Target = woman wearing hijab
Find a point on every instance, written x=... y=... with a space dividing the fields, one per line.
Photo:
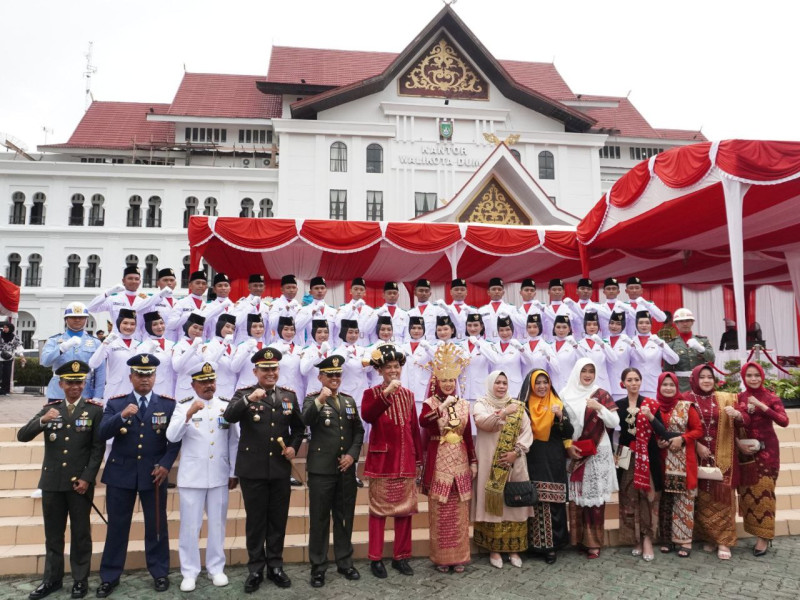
x=547 y=464
x=565 y=350
x=116 y=349
x=451 y=463
x=221 y=351
x=188 y=354
x=254 y=341
x=592 y=479
x=647 y=353
x=9 y=346
x=639 y=466
x=504 y=435
x=679 y=463
x=290 y=375
x=760 y=472
x=156 y=344
x=714 y=508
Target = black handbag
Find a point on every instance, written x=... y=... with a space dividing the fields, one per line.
x=520 y=493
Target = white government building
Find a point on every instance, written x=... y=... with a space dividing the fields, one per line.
x=325 y=134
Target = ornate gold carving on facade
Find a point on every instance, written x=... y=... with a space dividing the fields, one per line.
x=509 y=141
x=443 y=73
x=494 y=205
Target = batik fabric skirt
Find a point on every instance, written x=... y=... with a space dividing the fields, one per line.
x=757 y=507
x=449 y=530
x=638 y=510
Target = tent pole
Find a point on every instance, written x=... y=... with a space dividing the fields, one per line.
x=583 y=251
x=734 y=200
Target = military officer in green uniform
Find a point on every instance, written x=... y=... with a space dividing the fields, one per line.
x=336 y=437
x=271 y=431
x=73 y=451
x=692 y=350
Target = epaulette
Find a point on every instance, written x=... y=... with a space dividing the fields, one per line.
x=52 y=402
x=120 y=396
x=247 y=387
x=284 y=388
x=170 y=398
x=187 y=399
x=705 y=337
x=224 y=399
x=94 y=402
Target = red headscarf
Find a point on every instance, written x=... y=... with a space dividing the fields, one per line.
x=665 y=403
x=694 y=381
x=760 y=393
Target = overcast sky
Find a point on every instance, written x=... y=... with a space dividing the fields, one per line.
x=728 y=67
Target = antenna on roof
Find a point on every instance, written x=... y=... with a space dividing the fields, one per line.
x=46 y=130
x=87 y=76
x=184 y=67
x=628 y=95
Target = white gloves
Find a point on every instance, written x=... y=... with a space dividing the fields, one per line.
x=695 y=345
x=228 y=339
x=516 y=343
x=441 y=303
x=165 y=292
x=358 y=303
x=425 y=344
x=597 y=339
x=110 y=338
x=382 y=311
x=473 y=339
x=568 y=301
x=571 y=340
x=324 y=347
x=115 y=290
x=659 y=342
x=72 y=342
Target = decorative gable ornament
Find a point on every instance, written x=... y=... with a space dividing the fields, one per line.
x=495 y=206
x=443 y=73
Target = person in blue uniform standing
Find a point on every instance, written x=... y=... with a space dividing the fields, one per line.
x=139 y=463
x=75 y=343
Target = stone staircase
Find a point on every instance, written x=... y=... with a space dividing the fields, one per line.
x=22 y=529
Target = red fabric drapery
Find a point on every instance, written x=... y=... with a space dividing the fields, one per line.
x=627 y=189
x=759 y=160
x=683 y=169
x=9 y=297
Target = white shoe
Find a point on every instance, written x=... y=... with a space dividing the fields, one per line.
x=188 y=584
x=516 y=561
x=219 y=580
x=36 y=494
x=496 y=562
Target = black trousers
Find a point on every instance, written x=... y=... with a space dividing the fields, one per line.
x=331 y=495
x=266 y=505
x=5 y=376
x=56 y=506
x=120 y=503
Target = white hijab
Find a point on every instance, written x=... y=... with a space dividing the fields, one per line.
x=574 y=394
x=490 y=398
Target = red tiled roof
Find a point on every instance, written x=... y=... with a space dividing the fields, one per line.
x=688 y=135
x=541 y=77
x=117 y=125
x=217 y=95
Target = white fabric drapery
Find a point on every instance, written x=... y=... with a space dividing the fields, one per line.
x=775 y=312
x=708 y=306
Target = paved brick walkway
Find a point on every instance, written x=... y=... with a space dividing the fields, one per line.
x=19 y=408
x=615 y=575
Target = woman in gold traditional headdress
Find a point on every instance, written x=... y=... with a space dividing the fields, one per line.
x=451 y=463
x=504 y=437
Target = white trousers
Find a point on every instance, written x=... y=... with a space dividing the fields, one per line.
x=193 y=502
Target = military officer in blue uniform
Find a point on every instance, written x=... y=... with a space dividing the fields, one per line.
x=139 y=463
x=336 y=437
x=271 y=431
x=74 y=344
x=73 y=451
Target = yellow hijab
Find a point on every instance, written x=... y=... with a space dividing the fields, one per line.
x=541 y=409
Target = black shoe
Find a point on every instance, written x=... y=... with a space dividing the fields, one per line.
x=294 y=482
x=277 y=576
x=378 y=569
x=359 y=483
x=350 y=573
x=80 y=589
x=45 y=589
x=550 y=558
x=252 y=582
x=171 y=486
x=161 y=584
x=402 y=566
x=106 y=588
x=318 y=579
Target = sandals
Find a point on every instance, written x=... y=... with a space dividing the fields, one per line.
x=458 y=569
x=593 y=553
x=442 y=569
x=667 y=548
x=636 y=552
x=724 y=554
x=684 y=552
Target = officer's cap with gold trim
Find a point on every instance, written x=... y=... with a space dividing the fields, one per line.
x=76 y=309
x=266 y=357
x=143 y=364
x=206 y=373
x=74 y=370
x=331 y=365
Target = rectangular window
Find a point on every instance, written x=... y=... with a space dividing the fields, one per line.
x=338 y=205
x=188 y=135
x=224 y=135
x=241 y=136
x=374 y=206
x=424 y=202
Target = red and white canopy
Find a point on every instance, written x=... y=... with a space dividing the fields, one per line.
x=380 y=251
x=9 y=298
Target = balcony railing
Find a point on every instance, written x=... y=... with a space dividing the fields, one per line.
x=72 y=281
x=37 y=220
x=76 y=221
x=153 y=221
x=134 y=221
x=93 y=282
x=96 y=222
x=33 y=281
x=16 y=220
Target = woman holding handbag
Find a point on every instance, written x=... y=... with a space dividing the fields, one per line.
x=679 y=463
x=504 y=436
x=757 y=492
x=639 y=466
x=591 y=469
x=718 y=470
x=547 y=464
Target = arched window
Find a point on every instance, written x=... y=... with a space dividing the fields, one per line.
x=135 y=211
x=265 y=208
x=37 y=210
x=208 y=270
x=338 y=157
x=150 y=270
x=547 y=169
x=17 y=216
x=97 y=214
x=374 y=158
x=92 y=277
x=73 y=278
x=191 y=210
x=76 y=212
x=131 y=260
x=14 y=272
x=210 y=207
x=185 y=272
x=154 y=212
x=515 y=153
x=34 y=276
x=247 y=208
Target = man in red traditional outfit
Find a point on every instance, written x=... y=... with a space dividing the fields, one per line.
x=394 y=460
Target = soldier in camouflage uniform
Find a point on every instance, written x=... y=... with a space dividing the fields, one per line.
x=692 y=350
